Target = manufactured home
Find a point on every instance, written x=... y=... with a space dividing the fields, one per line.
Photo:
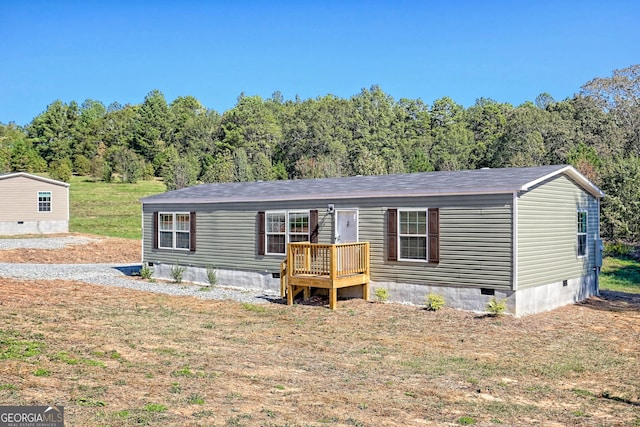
x=31 y=204
x=530 y=235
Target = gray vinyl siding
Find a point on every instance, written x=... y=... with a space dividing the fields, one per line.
x=547 y=232
x=475 y=238
x=475 y=243
x=226 y=235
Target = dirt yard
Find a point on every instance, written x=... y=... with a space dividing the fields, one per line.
x=116 y=357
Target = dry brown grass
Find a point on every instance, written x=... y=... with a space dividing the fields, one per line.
x=122 y=358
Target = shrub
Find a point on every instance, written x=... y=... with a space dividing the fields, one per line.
x=495 y=307
x=434 y=302
x=382 y=294
x=176 y=273
x=146 y=272
x=212 y=276
x=61 y=170
x=618 y=249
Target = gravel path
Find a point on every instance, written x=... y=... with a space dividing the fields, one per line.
x=44 y=243
x=113 y=274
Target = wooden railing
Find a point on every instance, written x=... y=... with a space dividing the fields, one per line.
x=328 y=260
x=325 y=266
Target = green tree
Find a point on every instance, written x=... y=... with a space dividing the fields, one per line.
x=620 y=96
x=152 y=126
x=179 y=171
x=452 y=139
x=621 y=207
x=522 y=143
x=126 y=163
x=52 y=131
x=252 y=127
x=61 y=170
x=219 y=168
x=487 y=119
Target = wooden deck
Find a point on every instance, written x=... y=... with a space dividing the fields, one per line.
x=313 y=265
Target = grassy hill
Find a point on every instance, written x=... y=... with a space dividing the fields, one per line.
x=109 y=209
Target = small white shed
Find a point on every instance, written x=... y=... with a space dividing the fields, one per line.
x=31 y=204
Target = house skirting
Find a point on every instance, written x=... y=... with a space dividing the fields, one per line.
x=553 y=295
x=523 y=302
x=263 y=281
x=11 y=228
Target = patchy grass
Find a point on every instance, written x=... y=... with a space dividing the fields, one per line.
x=620 y=275
x=147 y=359
x=109 y=209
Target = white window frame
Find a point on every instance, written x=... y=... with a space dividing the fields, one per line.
x=44 y=202
x=174 y=231
x=583 y=233
x=287 y=231
x=405 y=235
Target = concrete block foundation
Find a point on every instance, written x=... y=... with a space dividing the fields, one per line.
x=522 y=302
x=14 y=228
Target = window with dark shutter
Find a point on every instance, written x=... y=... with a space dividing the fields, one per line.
x=192 y=231
x=434 y=235
x=261 y=233
x=392 y=234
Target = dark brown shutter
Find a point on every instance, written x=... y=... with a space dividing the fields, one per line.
x=392 y=234
x=434 y=235
x=154 y=230
x=192 y=231
x=313 y=226
x=261 y=233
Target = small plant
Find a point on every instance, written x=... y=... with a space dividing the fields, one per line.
x=146 y=272
x=254 y=308
x=184 y=372
x=434 y=302
x=40 y=372
x=465 y=421
x=382 y=294
x=195 y=399
x=495 y=307
x=176 y=273
x=212 y=275
x=154 y=407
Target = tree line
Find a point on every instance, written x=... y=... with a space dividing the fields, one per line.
x=597 y=130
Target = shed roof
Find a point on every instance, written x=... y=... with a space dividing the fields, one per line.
x=478 y=181
x=31 y=176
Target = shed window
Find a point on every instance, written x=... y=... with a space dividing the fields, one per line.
x=582 y=233
x=44 y=201
x=174 y=230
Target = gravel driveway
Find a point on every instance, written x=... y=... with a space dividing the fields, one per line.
x=112 y=274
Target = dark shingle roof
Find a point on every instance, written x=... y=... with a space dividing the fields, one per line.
x=478 y=181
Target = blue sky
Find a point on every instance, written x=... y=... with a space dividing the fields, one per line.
x=510 y=51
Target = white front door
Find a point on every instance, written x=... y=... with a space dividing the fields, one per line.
x=346 y=226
